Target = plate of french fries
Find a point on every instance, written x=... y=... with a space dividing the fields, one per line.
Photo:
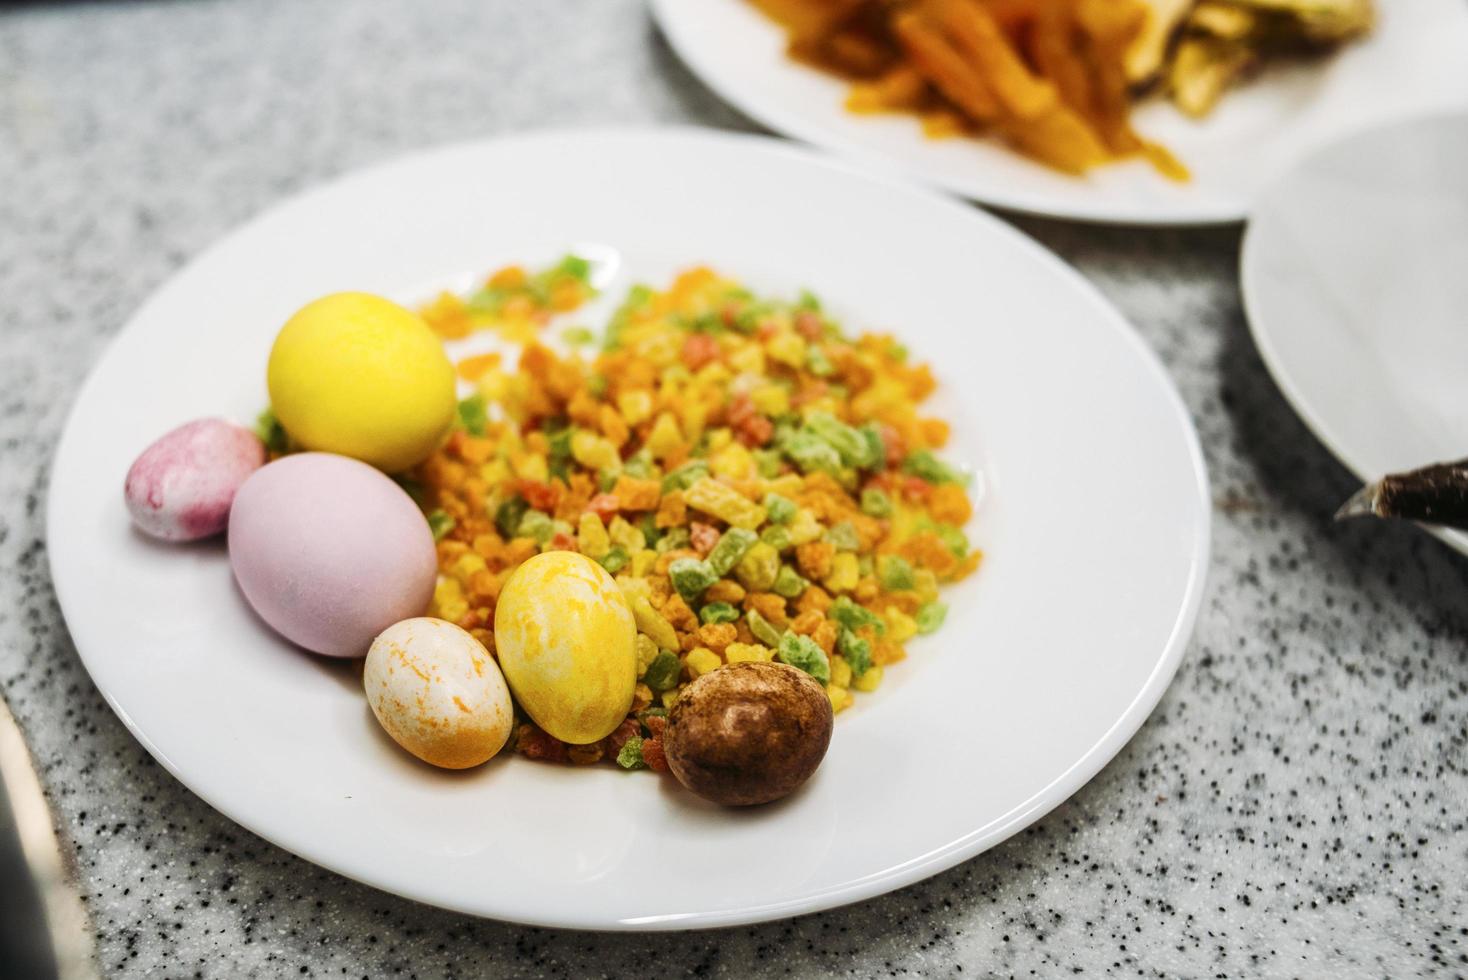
x=1161 y=112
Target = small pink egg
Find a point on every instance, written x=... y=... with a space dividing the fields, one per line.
x=330 y=552
x=181 y=487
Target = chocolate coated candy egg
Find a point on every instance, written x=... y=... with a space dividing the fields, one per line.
x=748 y=733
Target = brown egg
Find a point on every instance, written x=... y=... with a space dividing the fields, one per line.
x=748 y=733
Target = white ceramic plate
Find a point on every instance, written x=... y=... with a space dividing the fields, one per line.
x=1095 y=523
x=1412 y=62
x=1355 y=278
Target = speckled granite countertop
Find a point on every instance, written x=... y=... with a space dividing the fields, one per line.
x=1295 y=807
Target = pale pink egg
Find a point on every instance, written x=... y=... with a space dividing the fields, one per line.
x=330 y=552
x=181 y=487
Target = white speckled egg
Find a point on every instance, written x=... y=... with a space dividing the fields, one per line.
x=330 y=552
x=438 y=693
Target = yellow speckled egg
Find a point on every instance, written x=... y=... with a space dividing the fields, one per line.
x=566 y=642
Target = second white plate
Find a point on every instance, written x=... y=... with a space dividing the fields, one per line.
x=1095 y=525
x=1412 y=62
x=1354 y=280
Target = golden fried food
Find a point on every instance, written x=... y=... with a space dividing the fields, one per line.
x=1055 y=79
x=1222 y=41
x=1148 y=52
x=1202 y=69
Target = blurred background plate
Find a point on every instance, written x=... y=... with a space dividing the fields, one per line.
x=1412 y=62
x=1095 y=524
x=1355 y=278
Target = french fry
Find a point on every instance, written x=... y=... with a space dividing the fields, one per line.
x=942 y=124
x=1035 y=120
x=945 y=68
x=1060 y=138
x=901 y=88
x=1013 y=15
x=1052 y=49
x=977 y=37
x=809 y=18
x=1109 y=27
x=1202 y=69
x=1146 y=55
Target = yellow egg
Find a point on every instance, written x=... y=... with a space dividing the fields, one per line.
x=566 y=642
x=356 y=374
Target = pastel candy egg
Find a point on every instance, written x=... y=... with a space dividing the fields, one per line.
x=357 y=374
x=566 y=641
x=330 y=552
x=182 y=486
x=437 y=692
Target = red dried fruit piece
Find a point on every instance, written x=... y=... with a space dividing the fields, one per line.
x=895 y=445
x=541 y=496
x=741 y=407
x=699 y=349
x=652 y=754
x=808 y=324
x=656 y=725
x=536 y=744
x=755 y=431
x=915 y=488
x=561 y=541
x=605 y=506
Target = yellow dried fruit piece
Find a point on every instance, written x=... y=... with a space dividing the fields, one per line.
x=591 y=536
x=900 y=626
x=749 y=359
x=845 y=572
x=643 y=562
x=633 y=586
x=805 y=528
x=840 y=698
x=733 y=461
x=592 y=451
x=770 y=399
x=647 y=650
x=738 y=653
x=701 y=660
x=530 y=466
x=840 y=672
x=664 y=439
x=651 y=622
x=725 y=503
x=635 y=406
x=626 y=535
x=870 y=680
x=787 y=347
x=758 y=568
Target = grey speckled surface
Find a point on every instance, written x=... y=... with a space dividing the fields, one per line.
x=1294 y=808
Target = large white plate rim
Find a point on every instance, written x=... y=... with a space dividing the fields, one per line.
x=906 y=873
